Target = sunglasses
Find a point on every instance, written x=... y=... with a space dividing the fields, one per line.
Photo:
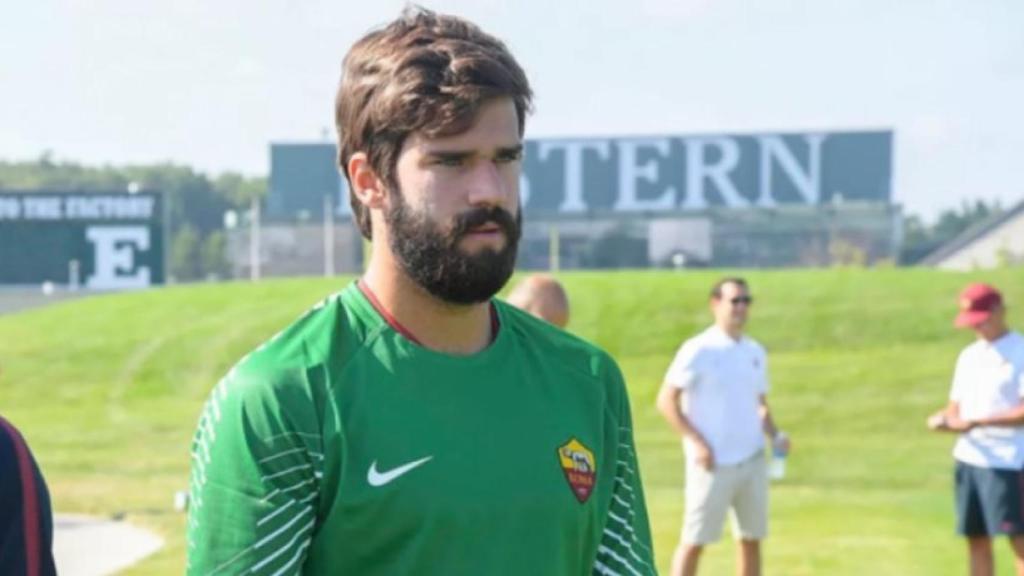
x=748 y=300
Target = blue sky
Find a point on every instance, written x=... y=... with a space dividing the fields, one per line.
x=211 y=83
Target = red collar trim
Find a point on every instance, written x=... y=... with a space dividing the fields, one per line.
x=391 y=320
x=30 y=512
x=397 y=326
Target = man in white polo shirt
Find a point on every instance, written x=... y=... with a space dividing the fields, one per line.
x=714 y=397
x=986 y=407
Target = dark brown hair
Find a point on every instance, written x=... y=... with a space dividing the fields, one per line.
x=424 y=72
x=716 y=290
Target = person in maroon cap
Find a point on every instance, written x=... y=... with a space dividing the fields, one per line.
x=986 y=408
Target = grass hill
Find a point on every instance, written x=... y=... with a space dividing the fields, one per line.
x=108 y=389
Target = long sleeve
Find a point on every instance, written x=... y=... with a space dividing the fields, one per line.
x=625 y=546
x=26 y=520
x=257 y=463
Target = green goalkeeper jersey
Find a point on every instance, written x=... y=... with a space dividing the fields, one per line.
x=341 y=446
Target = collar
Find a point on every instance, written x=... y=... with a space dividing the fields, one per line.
x=398 y=327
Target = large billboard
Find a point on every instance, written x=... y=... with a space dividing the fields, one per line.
x=300 y=176
x=102 y=241
x=650 y=174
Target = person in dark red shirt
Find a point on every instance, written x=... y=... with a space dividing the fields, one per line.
x=26 y=520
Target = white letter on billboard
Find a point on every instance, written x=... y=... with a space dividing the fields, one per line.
x=697 y=171
x=524 y=190
x=114 y=263
x=10 y=208
x=807 y=182
x=573 y=199
x=629 y=172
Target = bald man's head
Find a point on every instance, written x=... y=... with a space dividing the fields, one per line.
x=544 y=297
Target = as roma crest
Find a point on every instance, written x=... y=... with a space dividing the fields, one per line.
x=580 y=468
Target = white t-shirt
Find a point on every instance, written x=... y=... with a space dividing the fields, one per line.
x=989 y=378
x=722 y=381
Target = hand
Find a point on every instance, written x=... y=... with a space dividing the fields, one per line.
x=943 y=422
x=937 y=421
x=704 y=457
x=956 y=424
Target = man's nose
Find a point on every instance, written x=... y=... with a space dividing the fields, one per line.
x=486 y=186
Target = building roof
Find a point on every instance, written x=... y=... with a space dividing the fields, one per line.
x=973 y=234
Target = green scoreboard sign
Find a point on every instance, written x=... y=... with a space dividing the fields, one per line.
x=104 y=241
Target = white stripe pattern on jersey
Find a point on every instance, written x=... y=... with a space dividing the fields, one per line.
x=620 y=551
x=283 y=539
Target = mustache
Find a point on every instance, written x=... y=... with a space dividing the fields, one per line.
x=480 y=216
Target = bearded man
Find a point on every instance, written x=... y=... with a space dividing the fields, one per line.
x=413 y=424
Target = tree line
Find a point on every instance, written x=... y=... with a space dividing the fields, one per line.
x=921 y=238
x=196 y=204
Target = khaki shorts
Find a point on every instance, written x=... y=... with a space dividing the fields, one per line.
x=741 y=489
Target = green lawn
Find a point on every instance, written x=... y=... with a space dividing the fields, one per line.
x=108 y=390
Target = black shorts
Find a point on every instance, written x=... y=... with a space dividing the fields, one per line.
x=989 y=501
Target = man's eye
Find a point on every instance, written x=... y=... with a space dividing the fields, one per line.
x=509 y=157
x=451 y=162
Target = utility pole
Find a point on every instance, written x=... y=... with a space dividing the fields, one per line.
x=554 y=251
x=328 y=236
x=254 y=240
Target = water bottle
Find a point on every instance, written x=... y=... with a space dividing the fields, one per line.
x=778 y=467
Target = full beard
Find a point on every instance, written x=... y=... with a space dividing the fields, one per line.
x=433 y=260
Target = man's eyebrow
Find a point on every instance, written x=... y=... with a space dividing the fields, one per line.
x=463 y=154
x=449 y=154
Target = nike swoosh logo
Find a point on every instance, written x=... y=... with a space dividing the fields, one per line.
x=377 y=479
